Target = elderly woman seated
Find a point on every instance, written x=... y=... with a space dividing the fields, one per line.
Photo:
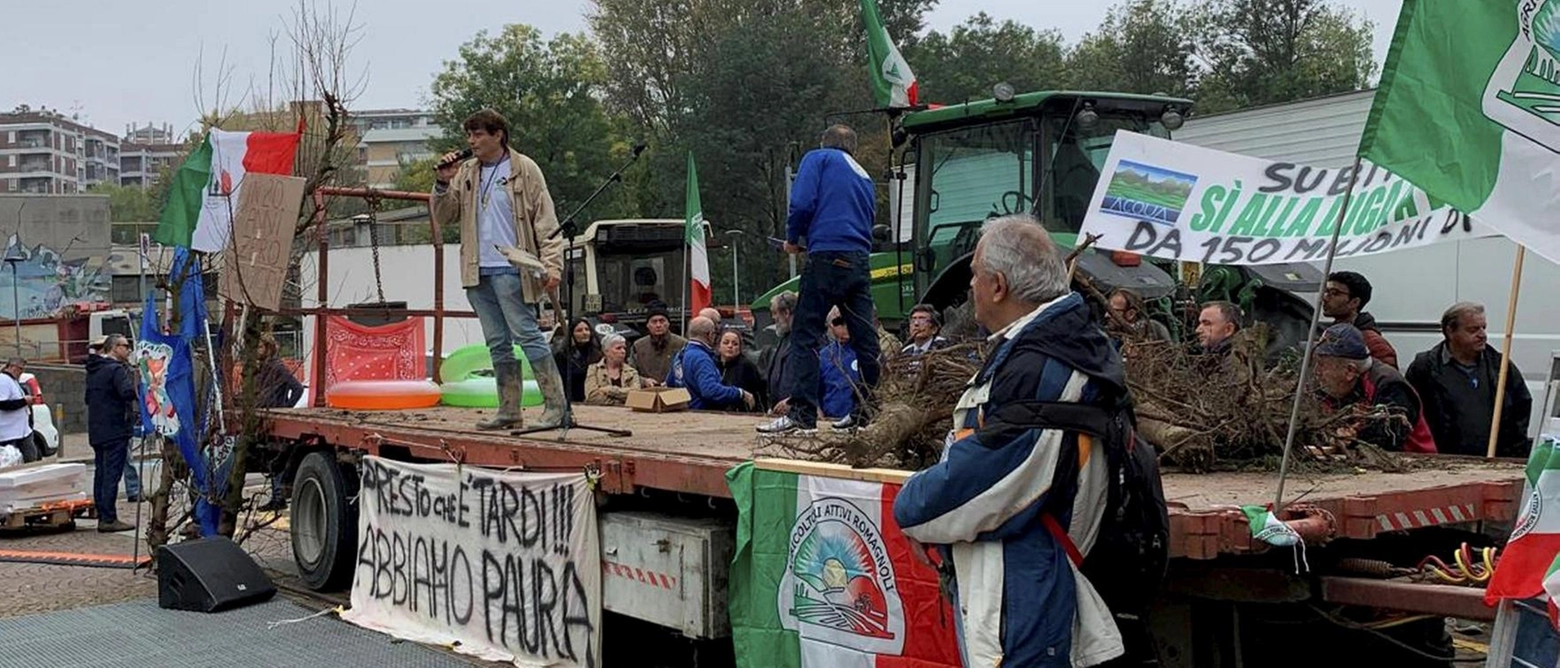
x=608 y=382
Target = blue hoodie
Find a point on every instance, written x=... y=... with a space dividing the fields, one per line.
x=694 y=368
x=833 y=203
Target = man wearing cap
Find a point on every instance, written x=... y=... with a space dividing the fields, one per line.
x=110 y=407
x=653 y=352
x=1348 y=376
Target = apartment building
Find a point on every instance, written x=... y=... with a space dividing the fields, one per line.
x=390 y=139
x=45 y=152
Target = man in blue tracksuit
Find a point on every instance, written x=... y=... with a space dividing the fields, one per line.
x=694 y=368
x=833 y=203
x=1015 y=507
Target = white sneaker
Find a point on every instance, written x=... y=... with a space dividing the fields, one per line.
x=845 y=423
x=784 y=425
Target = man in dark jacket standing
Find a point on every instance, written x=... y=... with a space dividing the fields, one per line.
x=776 y=359
x=1344 y=299
x=110 y=416
x=1456 y=380
x=832 y=207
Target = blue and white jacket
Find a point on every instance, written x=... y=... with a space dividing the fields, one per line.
x=694 y=368
x=1021 y=602
x=838 y=374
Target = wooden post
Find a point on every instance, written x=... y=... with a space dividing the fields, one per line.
x=1505 y=353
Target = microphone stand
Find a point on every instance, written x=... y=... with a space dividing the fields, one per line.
x=569 y=227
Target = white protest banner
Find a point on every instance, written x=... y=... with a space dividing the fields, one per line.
x=505 y=566
x=1176 y=201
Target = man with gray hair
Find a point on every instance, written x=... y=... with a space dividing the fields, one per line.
x=1016 y=503
x=776 y=358
x=1348 y=377
x=833 y=204
x=1457 y=380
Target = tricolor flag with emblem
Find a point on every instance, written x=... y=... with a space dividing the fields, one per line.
x=893 y=84
x=824 y=578
x=1468 y=110
x=698 y=257
x=204 y=196
x=1530 y=565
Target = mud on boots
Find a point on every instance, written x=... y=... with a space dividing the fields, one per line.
x=509 y=393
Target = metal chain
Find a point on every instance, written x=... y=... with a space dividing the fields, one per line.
x=373 y=240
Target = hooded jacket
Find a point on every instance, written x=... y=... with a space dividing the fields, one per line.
x=1379 y=347
x=1020 y=599
x=111 y=409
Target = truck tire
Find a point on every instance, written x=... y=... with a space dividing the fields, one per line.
x=323 y=522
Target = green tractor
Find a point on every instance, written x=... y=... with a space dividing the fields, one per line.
x=1038 y=153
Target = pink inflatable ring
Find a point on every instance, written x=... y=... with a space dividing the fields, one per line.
x=382 y=395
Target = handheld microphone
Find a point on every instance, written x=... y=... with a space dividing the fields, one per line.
x=462 y=155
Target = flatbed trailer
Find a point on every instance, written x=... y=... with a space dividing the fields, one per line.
x=688 y=453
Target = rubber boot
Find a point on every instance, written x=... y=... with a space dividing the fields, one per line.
x=509 y=393
x=551 y=384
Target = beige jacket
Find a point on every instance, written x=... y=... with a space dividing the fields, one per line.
x=535 y=220
x=599 y=390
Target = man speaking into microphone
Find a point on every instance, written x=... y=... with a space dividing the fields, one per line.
x=500 y=200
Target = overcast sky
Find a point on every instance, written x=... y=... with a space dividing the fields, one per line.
x=118 y=62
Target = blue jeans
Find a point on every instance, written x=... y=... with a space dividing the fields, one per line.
x=506 y=319
x=108 y=462
x=132 y=475
x=831 y=279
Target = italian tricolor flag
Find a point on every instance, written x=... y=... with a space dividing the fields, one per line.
x=824 y=578
x=1530 y=564
x=698 y=256
x=205 y=191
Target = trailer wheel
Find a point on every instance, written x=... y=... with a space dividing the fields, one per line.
x=324 y=522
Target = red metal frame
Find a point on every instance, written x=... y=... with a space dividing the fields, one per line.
x=323 y=238
x=1435 y=599
x=1207 y=534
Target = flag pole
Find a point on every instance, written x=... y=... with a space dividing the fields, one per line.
x=1505 y=353
x=1316 y=316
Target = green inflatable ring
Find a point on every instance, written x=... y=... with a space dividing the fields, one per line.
x=482 y=392
x=466 y=361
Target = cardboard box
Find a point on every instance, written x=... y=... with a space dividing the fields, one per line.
x=659 y=399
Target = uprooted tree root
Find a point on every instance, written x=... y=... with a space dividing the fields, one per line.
x=1203 y=411
x=915 y=399
x=1232 y=410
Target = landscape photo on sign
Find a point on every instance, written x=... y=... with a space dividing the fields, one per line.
x=1146 y=192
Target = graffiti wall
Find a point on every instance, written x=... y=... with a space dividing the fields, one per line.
x=60 y=247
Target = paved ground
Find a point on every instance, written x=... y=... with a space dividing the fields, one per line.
x=37 y=588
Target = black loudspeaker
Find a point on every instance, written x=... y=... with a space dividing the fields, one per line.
x=209 y=575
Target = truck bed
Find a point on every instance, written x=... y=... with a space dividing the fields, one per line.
x=689 y=452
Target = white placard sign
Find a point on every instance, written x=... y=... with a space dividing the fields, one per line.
x=1176 y=201
x=504 y=566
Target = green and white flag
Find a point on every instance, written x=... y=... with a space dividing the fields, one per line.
x=893 y=84
x=1469 y=110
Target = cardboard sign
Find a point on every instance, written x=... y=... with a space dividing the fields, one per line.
x=256 y=266
x=659 y=399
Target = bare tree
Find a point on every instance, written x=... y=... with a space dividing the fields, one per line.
x=309 y=86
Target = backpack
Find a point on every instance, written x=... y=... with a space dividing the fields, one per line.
x=1132 y=550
